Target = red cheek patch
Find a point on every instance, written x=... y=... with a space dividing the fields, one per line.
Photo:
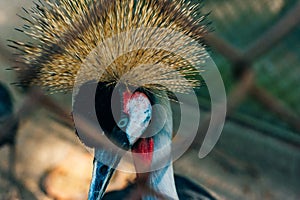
x=138 y=97
x=126 y=98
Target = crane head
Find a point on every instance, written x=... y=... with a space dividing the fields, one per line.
x=124 y=115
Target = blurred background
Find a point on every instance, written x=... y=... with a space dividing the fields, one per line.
x=256 y=46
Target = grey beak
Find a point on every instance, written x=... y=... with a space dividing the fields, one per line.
x=102 y=173
x=100 y=179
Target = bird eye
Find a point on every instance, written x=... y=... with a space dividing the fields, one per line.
x=123 y=122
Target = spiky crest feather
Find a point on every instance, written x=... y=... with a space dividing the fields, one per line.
x=71 y=35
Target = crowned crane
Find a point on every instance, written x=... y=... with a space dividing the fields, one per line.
x=120 y=57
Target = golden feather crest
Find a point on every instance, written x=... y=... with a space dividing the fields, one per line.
x=150 y=43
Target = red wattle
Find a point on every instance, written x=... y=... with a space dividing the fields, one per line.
x=143 y=153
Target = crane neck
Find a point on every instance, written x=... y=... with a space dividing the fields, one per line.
x=162 y=180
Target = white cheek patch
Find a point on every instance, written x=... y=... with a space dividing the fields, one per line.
x=140 y=112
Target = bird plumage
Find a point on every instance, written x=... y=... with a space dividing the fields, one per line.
x=7 y=135
x=6 y=104
x=186 y=189
x=9 y=125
